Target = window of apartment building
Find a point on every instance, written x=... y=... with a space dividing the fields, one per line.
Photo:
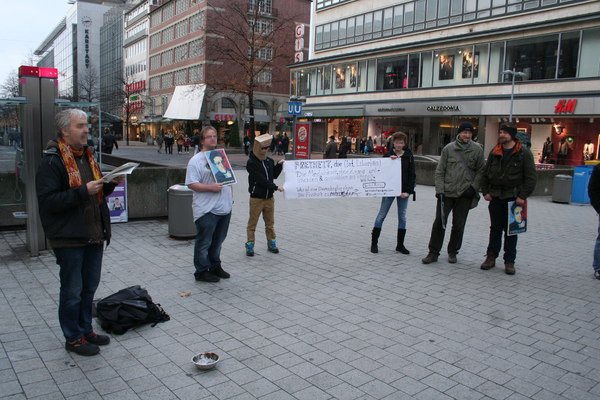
x=181 y=29
x=264 y=53
x=167 y=35
x=181 y=6
x=156 y=18
x=166 y=58
x=196 y=48
x=167 y=11
x=181 y=52
x=195 y=74
x=166 y=81
x=327 y=3
x=155 y=40
x=262 y=26
x=155 y=61
x=264 y=6
x=264 y=77
x=155 y=83
x=197 y=22
x=181 y=77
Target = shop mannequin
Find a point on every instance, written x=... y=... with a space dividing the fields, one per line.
x=588 y=150
x=547 y=151
x=563 y=150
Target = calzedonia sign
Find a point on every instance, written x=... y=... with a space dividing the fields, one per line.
x=443 y=108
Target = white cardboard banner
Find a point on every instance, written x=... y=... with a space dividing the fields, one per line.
x=345 y=177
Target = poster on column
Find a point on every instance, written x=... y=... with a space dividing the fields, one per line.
x=302 y=140
x=117 y=203
x=327 y=179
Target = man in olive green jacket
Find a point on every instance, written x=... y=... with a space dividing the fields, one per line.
x=457 y=178
x=509 y=175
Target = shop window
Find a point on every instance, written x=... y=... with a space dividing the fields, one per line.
x=569 y=51
x=392 y=73
x=414 y=70
x=346 y=77
x=323 y=83
x=536 y=57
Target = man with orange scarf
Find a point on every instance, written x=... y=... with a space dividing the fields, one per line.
x=509 y=175
x=76 y=220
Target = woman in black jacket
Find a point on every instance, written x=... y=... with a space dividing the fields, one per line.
x=399 y=150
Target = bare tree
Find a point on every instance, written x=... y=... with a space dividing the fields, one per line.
x=129 y=97
x=257 y=46
x=88 y=85
x=9 y=114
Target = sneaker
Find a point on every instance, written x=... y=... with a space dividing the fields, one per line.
x=430 y=258
x=273 y=246
x=249 y=249
x=220 y=272
x=597 y=274
x=452 y=258
x=98 y=340
x=82 y=347
x=206 y=276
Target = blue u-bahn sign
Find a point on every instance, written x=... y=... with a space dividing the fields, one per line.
x=294 y=108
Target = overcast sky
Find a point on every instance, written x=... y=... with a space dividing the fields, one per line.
x=24 y=24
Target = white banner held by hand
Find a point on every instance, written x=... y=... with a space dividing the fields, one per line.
x=323 y=179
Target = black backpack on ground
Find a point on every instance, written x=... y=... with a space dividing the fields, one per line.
x=128 y=308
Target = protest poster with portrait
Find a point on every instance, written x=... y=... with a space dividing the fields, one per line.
x=517 y=218
x=220 y=167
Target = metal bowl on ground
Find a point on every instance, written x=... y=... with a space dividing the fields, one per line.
x=205 y=360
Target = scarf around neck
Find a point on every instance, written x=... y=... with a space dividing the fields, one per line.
x=68 y=154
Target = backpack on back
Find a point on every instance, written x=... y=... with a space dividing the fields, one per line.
x=128 y=308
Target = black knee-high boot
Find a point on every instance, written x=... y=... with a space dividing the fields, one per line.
x=374 y=238
x=400 y=246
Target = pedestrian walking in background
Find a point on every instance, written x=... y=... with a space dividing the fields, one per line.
x=406 y=163
x=108 y=142
x=169 y=141
x=594 y=193
x=186 y=144
x=159 y=141
x=262 y=170
x=331 y=148
x=246 y=145
x=457 y=180
x=344 y=148
x=509 y=175
x=180 y=143
x=286 y=143
x=212 y=203
x=71 y=196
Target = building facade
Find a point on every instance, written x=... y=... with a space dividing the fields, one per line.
x=73 y=48
x=425 y=66
x=194 y=42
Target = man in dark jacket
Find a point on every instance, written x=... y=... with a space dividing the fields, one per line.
x=509 y=175
x=594 y=193
x=75 y=217
x=457 y=178
x=261 y=172
x=108 y=142
x=331 y=148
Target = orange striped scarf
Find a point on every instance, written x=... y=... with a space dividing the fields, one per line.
x=68 y=154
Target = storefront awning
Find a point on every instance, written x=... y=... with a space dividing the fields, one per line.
x=186 y=102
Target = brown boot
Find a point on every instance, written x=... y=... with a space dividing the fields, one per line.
x=509 y=269
x=430 y=258
x=489 y=263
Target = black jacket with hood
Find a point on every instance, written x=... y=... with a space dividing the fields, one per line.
x=261 y=175
x=62 y=208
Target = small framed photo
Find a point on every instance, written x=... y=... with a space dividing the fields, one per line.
x=220 y=167
x=517 y=218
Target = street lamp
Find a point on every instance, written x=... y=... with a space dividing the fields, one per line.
x=514 y=74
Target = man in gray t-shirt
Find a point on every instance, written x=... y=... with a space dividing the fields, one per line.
x=211 y=204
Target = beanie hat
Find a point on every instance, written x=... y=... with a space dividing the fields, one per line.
x=512 y=131
x=465 y=126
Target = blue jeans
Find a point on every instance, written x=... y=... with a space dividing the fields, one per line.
x=596 y=263
x=211 y=231
x=386 y=203
x=80 y=269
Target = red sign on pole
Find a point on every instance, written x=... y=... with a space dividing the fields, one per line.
x=302 y=140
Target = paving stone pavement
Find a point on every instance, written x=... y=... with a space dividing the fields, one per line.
x=325 y=318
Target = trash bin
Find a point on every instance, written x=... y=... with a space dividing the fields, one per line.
x=581 y=179
x=561 y=190
x=181 y=218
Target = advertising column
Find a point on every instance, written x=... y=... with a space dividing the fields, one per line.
x=302 y=134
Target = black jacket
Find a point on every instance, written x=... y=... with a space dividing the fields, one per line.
x=261 y=175
x=594 y=188
x=409 y=176
x=61 y=207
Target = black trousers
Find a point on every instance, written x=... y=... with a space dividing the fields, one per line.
x=460 y=210
x=498 y=209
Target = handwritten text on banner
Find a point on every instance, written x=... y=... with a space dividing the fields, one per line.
x=321 y=179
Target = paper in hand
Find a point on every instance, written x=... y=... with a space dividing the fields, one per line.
x=124 y=169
